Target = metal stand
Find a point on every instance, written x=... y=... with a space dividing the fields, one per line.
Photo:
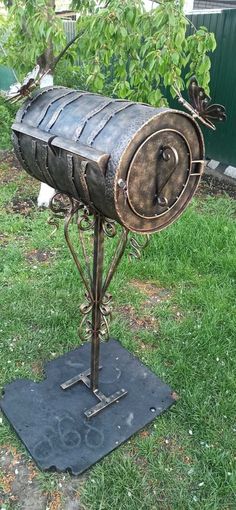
x=98 y=301
x=97 y=293
x=67 y=439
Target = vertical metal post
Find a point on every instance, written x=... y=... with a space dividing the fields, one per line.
x=98 y=258
x=95 y=302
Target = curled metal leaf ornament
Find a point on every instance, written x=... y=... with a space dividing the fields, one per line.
x=137 y=246
x=109 y=227
x=106 y=313
x=85 y=220
x=85 y=328
x=62 y=204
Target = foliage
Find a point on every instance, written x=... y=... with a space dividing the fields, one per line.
x=32 y=27
x=131 y=53
x=123 y=50
x=69 y=75
x=7 y=114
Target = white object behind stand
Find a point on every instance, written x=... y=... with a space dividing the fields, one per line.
x=46 y=192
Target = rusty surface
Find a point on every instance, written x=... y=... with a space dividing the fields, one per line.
x=114 y=160
x=134 y=163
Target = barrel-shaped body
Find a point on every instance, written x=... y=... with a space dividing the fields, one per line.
x=134 y=163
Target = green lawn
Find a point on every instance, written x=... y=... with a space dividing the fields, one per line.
x=182 y=324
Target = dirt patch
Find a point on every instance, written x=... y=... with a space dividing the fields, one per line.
x=9 y=158
x=154 y=293
x=178 y=315
x=175 y=396
x=55 y=501
x=215 y=187
x=12 y=171
x=24 y=487
x=172 y=444
x=3 y=240
x=137 y=322
x=38 y=368
x=17 y=481
x=39 y=255
x=10 y=167
x=23 y=206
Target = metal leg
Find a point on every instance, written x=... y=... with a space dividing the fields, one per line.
x=98 y=257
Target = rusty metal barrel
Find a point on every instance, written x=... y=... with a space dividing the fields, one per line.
x=134 y=163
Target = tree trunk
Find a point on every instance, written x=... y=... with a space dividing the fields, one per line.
x=46 y=62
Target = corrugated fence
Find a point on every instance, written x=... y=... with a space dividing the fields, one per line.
x=70 y=29
x=221 y=145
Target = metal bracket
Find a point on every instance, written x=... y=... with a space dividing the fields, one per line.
x=104 y=400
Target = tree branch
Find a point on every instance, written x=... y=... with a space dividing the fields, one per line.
x=59 y=57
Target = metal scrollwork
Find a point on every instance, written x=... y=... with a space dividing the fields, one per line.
x=61 y=205
x=137 y=246
x=106 y=312
x=85 y=328
x=85 y=220
x=76 y=213
x=109 y=227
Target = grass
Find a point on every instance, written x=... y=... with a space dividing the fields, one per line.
x=186 y=459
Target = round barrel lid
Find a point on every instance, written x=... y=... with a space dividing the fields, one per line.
x=158 y=173
x=162 y=176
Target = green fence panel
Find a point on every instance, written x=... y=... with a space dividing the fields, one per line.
x=7 y=77
x=70 y=29
x=221 y=145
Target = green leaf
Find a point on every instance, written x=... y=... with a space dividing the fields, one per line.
x=160 y=21
x=123 y=32
x=205 y=65
x=200 y=47
x=180 y=38
x=98 y=82
x=175 y=57
x=212 y=42
x=172 y=19
x=131 y=16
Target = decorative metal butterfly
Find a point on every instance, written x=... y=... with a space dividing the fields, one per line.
x=200 y=106
x=31 y=81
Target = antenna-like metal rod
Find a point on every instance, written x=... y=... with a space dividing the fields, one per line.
x=98 y=258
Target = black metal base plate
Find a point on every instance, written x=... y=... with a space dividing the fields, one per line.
x=51 y=422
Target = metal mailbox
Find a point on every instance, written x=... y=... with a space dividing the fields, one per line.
x=117 y=161
x=134 y=163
